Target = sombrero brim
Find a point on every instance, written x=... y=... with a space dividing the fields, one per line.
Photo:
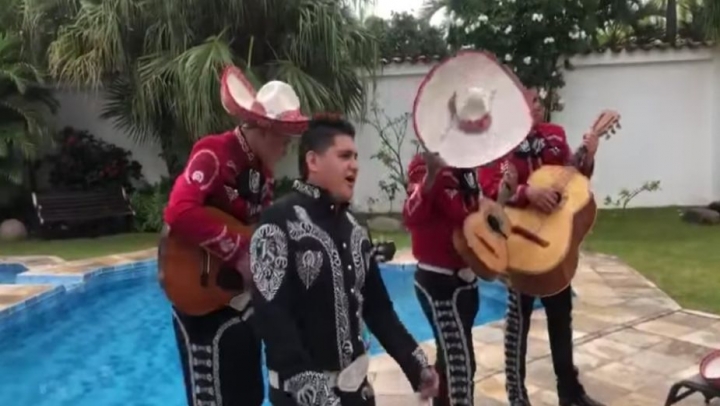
x=510 y=111
x=238 y=96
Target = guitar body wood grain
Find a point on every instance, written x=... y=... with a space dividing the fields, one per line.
x=485 y=234
x=181 y=266
x=544 y=248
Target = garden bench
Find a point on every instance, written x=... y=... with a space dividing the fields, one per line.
x=692 y=385
x=83 y=212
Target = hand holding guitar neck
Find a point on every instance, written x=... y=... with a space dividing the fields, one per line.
x=433 y=164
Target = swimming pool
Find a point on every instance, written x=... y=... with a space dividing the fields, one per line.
x=111 y=344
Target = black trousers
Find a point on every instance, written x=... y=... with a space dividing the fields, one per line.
x=221 y=359
x=559 y=323
x=451 y=304
x=363 y=397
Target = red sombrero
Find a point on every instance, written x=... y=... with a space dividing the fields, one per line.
x=275 y=106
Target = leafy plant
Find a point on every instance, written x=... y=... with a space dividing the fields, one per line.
x=85 y=162
x=626 y=195
x=149 y=203
x=392 y=133
x=403 y=35
x=24 y=107
x=160 y=60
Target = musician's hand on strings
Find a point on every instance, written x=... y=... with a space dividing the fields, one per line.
x=433 y=165
x=590 y=142
x=243 y=266
x=429 y=383
x=543 y=199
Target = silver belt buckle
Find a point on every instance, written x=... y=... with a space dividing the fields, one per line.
x=351 y=378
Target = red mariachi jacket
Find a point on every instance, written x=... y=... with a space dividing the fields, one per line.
x=224 y=173
x=545 y=145
x=432 y=216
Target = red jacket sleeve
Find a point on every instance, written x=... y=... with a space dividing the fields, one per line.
x=444 y=195
x=185 y=213
x=491 y=176
x=557 y=151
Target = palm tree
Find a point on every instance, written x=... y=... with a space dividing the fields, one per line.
x=24 y=106
x=159 y=60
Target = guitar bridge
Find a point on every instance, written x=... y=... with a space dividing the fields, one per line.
x=530 y=236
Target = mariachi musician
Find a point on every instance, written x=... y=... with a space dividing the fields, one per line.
x=546 y=144
x=231 y=171
x=455 y=115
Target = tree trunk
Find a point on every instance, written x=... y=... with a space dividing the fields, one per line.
x=671 y=21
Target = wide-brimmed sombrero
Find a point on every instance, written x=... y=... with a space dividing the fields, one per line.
x=275 y=106
x=471 y=110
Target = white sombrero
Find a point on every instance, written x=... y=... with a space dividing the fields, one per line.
x=275 y=106
x=471 y=110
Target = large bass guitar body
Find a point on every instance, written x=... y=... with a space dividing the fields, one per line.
x=194 y=281
x=544 y=249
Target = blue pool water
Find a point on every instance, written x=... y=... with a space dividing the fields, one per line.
x=112 y=345
x=8 y=272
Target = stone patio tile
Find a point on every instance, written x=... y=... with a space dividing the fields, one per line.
x=663 y=364
x=624 y=375
x=689 y=320
x=707 y=337
x=391 y=383
x=665 y=328
x=590 y=323
x=635 y=399
x=397 y=400
x=702 y=314
x=683 y=349
x=481 y=400
x=657 y=391
x=586 y=361
x=606 y=349
x=488 y=357
x=492 y=388
x=488 y=335
x=544 y=398
x=602 y=391
x=636 y=338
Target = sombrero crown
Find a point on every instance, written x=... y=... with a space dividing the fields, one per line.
x=275 y=106
x=471 y=110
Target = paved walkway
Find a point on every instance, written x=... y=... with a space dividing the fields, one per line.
x=631 y=340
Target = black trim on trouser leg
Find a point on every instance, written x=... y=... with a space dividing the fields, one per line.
x=558 y=309
x=451 y=304
x=517 y=327
x=221 y=359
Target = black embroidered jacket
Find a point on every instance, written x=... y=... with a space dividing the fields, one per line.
x=316 y=285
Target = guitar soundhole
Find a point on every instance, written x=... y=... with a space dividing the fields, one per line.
x=230 y=279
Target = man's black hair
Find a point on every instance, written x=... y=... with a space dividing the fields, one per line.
x=320 y=136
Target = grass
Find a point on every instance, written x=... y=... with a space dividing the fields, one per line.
x=83 y=247
x=682 y=259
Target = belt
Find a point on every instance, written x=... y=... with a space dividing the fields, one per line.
x=348 y=380
x=465 y=274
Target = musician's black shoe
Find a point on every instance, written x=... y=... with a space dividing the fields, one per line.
x=583 y=400
x=520 y=403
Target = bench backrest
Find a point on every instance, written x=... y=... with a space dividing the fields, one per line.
x=81 y=205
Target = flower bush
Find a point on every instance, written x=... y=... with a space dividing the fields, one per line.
x=85 y=162
x=533 y=37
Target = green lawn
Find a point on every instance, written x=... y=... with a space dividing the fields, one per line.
x=83 y=247
x=682 y=259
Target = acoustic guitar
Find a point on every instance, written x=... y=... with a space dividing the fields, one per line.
x=195 y=281
x=544 y=249
x=482 y=241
